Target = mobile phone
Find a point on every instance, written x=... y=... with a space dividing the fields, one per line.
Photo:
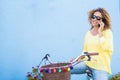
x=98 y=25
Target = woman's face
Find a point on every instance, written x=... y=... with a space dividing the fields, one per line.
x=96 y=18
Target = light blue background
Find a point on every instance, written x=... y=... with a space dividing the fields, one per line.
x=29 y=29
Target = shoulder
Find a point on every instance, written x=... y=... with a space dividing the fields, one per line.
x=107 y=31
x=87 y=34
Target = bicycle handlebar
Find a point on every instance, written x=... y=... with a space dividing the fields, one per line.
x=85 y=54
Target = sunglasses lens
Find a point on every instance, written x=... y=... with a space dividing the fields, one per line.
x=96 y=17
x=93 y=17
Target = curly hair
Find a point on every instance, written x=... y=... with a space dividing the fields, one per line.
x=105 y=17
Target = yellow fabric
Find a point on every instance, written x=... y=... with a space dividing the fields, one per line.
x=104 y=48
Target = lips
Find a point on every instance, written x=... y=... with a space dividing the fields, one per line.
x=94 y=23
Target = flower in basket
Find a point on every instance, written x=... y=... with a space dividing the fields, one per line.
x=34 y=75
x=35 y=70
x=30 y=77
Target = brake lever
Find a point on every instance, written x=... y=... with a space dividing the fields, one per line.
x=88 y=55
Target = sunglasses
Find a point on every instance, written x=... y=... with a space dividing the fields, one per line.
x=96 y=17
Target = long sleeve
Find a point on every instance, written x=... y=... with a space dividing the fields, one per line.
x=107 y=41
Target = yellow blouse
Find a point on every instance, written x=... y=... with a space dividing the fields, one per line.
x=104 y=48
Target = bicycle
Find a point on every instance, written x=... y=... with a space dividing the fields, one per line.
x=57 y=70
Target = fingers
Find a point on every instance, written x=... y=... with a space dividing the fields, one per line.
x=101 y=24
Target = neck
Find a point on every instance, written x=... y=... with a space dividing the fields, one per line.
x=94 y=31
x=95 y=28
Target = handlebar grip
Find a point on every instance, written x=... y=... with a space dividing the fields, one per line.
x=93 y=54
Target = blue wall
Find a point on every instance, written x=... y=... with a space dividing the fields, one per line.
x=31 y=28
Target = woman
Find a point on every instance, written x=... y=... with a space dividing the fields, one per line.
x=98 y=39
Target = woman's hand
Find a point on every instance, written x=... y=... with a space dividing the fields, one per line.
x=101 y=29
x=81 y=58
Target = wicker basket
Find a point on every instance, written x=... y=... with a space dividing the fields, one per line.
x=63 y=75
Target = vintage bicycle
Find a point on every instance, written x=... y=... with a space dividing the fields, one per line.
x=58 y=71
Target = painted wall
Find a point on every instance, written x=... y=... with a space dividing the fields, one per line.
x=29 y=29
